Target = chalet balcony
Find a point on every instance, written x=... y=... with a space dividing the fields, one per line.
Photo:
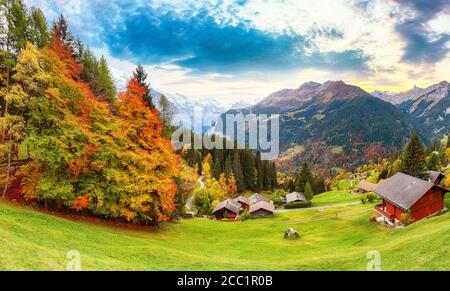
x=381 y=209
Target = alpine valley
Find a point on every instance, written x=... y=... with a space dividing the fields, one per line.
x=337 y=125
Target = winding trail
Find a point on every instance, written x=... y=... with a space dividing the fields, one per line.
x=190 y=201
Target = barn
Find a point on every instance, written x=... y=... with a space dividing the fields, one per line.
x=244 y=202
x=296 y=197
x=435 y=177
x=403 y=194
x=262 y=209
x=364 y=187
x=229 y=207
x=256 y=198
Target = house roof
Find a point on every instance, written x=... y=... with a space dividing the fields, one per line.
x=433 y=176
x=229 y=205
x=404 y=190
x=262 y=205
x=296 y=196
x=242 y=200
x=366 y=186
x=256 y=198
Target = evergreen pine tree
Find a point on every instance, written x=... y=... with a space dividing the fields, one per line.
x=60 y=28
x=107 y=89
x=17 y=23
x=237 y=172
x=303 y=178
x=413 y=158
x=228 y=169
x=433 y=162
x=248 y=169
x=38 y=27
x=309 y=193
x=319 y=185
x=267 y=181
x=216 y=169
x=141 y=76
x=259 y=172
x=273 y=176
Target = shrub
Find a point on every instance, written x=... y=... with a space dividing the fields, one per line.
x=407 y=218
x=245 y=215
x=364 y=199
x=371 y=197
x=298 y=205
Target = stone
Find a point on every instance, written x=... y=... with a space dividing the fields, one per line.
x=291 y=234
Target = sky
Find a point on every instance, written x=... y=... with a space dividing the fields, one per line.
x=243 y=50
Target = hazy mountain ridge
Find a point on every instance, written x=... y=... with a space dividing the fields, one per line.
x=338 y=125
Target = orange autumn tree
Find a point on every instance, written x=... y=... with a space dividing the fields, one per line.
x=148 y=157
x=87 y=158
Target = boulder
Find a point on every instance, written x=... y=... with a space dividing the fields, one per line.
x=291 y=234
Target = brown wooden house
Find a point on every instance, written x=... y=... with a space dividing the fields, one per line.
x=364 y=187
x=229 y=207
x=403 y=194
x=256 y=198
x=435 y=177
x=262 y=209
x=244 y=202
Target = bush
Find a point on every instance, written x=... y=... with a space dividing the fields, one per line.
x=245 y=215
x=364 y=199
x=407 y=219
x=298 y=205
x=371 y=197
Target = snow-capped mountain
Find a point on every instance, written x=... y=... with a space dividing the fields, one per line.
x=399 y=98
x=188 y=111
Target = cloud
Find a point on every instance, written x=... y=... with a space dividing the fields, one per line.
x=422 y=44
x=196 y=39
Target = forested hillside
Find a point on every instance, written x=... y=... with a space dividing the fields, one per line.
x=82 y=147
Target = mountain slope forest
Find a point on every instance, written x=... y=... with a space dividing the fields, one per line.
x=81 y=146
x=334 y=125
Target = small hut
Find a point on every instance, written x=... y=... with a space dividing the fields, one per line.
x=296 y=197
x=365 y=187
x=256 y=198
x=262 y=209
x=244 y=202
x=229 y=207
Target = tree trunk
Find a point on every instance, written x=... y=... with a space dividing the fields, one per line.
x=8 y=171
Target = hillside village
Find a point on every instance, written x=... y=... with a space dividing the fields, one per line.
x=85 y=167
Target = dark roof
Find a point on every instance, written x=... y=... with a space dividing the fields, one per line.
x=242 y=200
x=296 y=196
x=229 y=205
x=404 y=190
x=366 y=186
x=433 y=176
x=262 y=205
x=256 y=198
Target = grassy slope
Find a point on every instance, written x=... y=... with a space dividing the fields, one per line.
x=334 y=197
x=30 y=240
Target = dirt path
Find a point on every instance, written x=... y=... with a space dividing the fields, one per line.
x=190 y=201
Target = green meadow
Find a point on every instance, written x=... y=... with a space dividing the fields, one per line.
x=332 y=239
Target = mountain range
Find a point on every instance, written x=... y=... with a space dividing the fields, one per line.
x=339 y=125
x=184 y=107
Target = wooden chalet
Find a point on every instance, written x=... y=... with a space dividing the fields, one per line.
x=244 y=202
x=435 y=177
x=230 y=207
x=256 y=198
x=296 y=197
x=366 y=187
x=262 y=209
x=403 y=194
